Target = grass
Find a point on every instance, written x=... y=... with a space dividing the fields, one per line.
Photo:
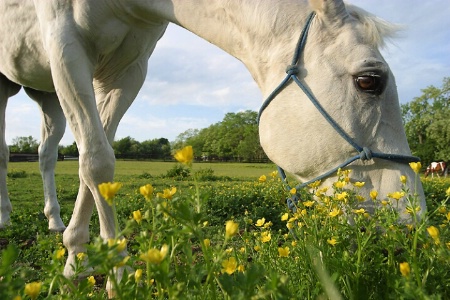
x=321 y=256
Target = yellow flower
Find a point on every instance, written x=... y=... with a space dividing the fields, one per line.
x=373 y=194
x=447 y=192
x=168 y=194
x=185 y=155
x=340 y=184
x=294 y=243
x=17 y=297
x=332 y=241
x=335 y=212
x=262 y=178
x=283 y=252
x=442 y=209
x=207 y=242
x=33 y=289
x=285 y=217
x=416 y=166
x=360 y=211
x=396 y=195
x=359 y=184
x=384 y=202
x=257 y=248
x=260 y=222
x=121 y=245
x=274 y=174
x=289 y=225
x=229 y=250
x=138 y=275
x=147 y=191
x=434 y=233
x=268 y=224
x=154 y=255
x=293 y=191
x=342 y=196
x=265 y=237
x=229 y=265
x=315 y=184
x=108 y=190
x=60 y=253
x=411 y=210
x=91 y=280
x=405 y=269
x=137 y=216
x=81 y=256
x=403 y=179
x=308 y=203
x=360 y=198
x=231 y=228
x=241 y=268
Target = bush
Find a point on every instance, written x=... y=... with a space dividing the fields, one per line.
x=178 y=172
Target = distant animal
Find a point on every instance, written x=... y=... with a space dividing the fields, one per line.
x=94 y=55
x=53 y=125
x=439 y=168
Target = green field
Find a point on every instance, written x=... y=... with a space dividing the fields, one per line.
x=261 y=260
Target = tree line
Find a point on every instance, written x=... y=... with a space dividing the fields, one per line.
x=236 y=137
x=427 y=123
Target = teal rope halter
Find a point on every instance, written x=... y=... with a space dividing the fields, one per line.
x=364 y=153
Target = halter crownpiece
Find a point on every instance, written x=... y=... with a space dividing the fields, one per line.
x=364 y=153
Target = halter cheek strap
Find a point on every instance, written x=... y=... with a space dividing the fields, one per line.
x=364 y=153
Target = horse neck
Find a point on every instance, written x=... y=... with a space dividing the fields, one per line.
x=261 y=34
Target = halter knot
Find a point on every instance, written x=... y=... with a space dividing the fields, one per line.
x=365 y=154
x=292 y=70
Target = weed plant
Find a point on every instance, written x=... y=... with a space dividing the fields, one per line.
x=228 y=241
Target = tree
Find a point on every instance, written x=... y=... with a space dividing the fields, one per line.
x=426 y=120
x=24 y=144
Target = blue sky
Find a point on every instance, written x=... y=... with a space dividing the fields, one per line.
x=193 y=84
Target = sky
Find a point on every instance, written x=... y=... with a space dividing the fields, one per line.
x=192 y=84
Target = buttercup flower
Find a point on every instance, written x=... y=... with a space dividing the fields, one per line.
x=33 y=289
x=257 y=248
x=315 y=184
x=416 y=166
x=293 y=191
x=108 y=190
x=265 y=237
x=447 y=192
x=335 y=212
x=262 y=178
x=308 y=203
x=60 y=253
x=185 y=155
x=434 y=233
x=138 y=275
x=405 y=269
x=91 y=280
x=359 y=184
x=81 y=256
x=403 y=179
x=231 y=228
x=154 y=255
x=396 y=195
x=168 y=194
x=207 y=242
x=283 y=252
x=274 y=174
x=137 y=216
x=241 y=268
x=260 y=222
x=332 y=241
x=340 y=184
x=285 y=217
x=360 y=211
x=373 y=194
x=147 y=191
x=229 y=265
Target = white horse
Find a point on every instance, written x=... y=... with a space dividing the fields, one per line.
x=94 y=55
x=52 y=130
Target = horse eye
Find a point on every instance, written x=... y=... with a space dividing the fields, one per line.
x=369 y=83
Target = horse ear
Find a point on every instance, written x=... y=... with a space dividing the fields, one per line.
x=330 y=11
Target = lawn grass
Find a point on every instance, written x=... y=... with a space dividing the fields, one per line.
x=154 y=168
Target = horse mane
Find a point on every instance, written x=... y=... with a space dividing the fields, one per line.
x=377 y=29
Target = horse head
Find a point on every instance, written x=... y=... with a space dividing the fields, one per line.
x=342 y=69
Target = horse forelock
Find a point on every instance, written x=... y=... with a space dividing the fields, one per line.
x=377 y=30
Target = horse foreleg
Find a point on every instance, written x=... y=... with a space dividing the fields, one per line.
x=7 y=89
x=53 y=124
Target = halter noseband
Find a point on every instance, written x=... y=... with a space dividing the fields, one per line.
x=364 y=153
